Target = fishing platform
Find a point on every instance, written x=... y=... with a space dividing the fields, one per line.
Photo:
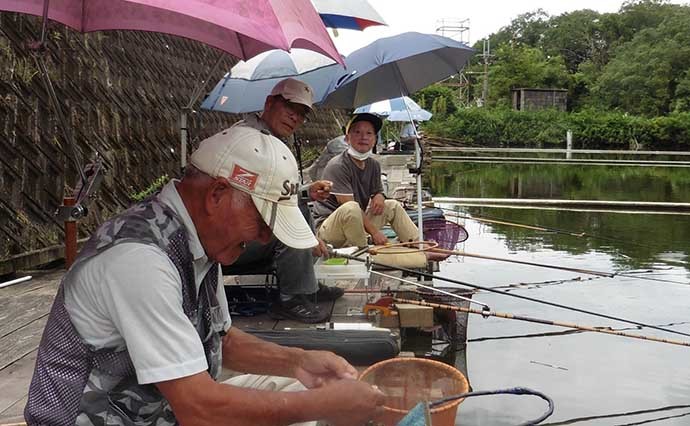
x=364 y=326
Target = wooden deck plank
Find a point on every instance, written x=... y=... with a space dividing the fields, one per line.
x=19 y=343
x=19 y=311
x=15 y=381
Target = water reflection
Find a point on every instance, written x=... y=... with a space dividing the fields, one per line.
x=620 y=183
x=594 y=379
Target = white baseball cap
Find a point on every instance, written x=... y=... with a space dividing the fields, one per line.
x=261 y=165
x=295 y=91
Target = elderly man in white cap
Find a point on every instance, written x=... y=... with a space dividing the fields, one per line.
x=140 y=326
x=285 y=110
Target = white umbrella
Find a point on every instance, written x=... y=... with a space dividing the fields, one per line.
x=245 y=87
x=397 y=109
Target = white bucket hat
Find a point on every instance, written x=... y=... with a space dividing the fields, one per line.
x=261 y=165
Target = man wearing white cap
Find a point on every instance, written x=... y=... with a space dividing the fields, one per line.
x=140 y=326
x=285 y=110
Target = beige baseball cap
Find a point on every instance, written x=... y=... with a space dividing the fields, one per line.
x=295 y=91
x=261 y=165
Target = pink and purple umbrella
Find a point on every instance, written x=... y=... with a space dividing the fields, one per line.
x=243 y=28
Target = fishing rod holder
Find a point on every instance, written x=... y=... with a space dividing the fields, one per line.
x=71 y=213
x=83 y=192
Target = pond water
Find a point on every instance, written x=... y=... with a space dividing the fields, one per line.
x=593 y=378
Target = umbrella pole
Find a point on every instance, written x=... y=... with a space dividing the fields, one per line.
x=196 y=94
x=418 y=162
x=418 y=170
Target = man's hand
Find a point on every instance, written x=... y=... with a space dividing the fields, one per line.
x=379 y=239
x=320 y=190
x=357 y=403
x=321 y=250
x=376 y=204
x=318 y=368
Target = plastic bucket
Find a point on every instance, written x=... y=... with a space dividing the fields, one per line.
x=407 y=381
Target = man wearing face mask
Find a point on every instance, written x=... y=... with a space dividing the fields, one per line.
x=357 y=207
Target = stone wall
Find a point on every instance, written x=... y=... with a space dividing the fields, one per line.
x=122 y=93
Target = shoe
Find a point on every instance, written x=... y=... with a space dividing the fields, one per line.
x=299 y=308
x=328 y=294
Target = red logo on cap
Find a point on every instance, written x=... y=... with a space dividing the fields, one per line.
x=244 y=177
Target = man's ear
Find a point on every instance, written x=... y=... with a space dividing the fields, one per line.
x=215 y=195
x=268 y=103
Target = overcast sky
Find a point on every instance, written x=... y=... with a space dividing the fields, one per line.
x=485 y=16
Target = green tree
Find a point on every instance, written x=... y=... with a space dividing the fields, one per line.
x=577 y=37
x=524 y=67
x=429 y=95
x=648 y=75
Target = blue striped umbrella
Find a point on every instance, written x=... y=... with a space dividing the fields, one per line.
x=347 y=14
x=396 y=109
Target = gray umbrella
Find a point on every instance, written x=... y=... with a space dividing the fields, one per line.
x=396 y=66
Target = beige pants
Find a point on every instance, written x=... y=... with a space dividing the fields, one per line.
x=269 y=383
x=345 y=226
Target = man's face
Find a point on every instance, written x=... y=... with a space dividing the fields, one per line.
x=361 y=136
x=235 y=222
x=282 y=116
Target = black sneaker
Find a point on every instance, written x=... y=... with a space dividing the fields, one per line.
x=299 y=308
x=328 y=294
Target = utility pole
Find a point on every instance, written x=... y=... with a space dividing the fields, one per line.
x=457 y=29
x=485 y=56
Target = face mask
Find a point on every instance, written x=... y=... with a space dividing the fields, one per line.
x=358 y=155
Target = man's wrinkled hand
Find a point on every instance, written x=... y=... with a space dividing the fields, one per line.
x=321 y=250
x=318 y=368
x=379 y=238
x=320 y=190
x=357 y=403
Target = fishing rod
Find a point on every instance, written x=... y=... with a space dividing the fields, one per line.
x=541 y=321
x=544 y=265
x=485 y=307
x=499 y=221
x=519 y=296
x=516 y=224
x=433 y=247
x=524 y=262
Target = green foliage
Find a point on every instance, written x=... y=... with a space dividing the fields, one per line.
x=428 y=97
x=645 y=73
x=636 y=60
x=591 y=129
x=155 y=186
x=524 y=67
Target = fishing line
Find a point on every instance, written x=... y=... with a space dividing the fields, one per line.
x=544 y=265
x=516 y=295
x=501 y=221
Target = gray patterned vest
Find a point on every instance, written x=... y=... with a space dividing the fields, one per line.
x=75 y=384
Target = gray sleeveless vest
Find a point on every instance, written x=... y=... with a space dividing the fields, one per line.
x=75 y=384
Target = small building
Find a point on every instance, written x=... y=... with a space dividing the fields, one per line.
x=532 y=99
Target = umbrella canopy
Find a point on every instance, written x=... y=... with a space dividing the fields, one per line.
x=397 y=109
x=396 y=66
x=245 y=87
x=243 y=28
x=348 y=14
